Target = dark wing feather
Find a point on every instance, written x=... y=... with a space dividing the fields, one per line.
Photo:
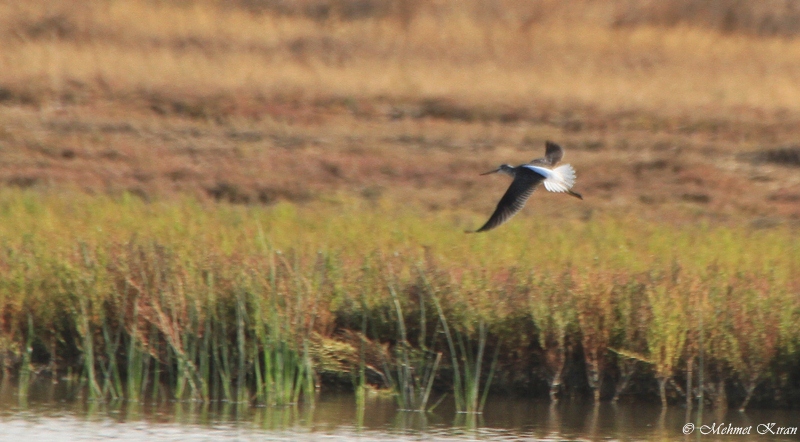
x=552 y=155
x=553 y=152
x=514 y=199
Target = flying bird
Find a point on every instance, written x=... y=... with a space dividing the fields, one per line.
x=526 y=178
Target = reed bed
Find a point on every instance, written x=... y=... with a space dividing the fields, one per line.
x=259 y=304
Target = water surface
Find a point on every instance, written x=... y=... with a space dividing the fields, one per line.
x=54 y=412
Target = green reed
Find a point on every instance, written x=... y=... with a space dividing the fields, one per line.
x=284 y=373
x=137 y=361
x=552 y=309
x=465 y=362
x=415 y=370
x=26 y=367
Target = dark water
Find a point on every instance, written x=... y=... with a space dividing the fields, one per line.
x=54 y=413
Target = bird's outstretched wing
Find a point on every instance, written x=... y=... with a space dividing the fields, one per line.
x=514 y=199
x=552 y=155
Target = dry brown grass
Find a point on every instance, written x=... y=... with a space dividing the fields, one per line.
x=658 y=105
x=489 y=55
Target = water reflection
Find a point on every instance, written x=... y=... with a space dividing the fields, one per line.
x=60 y=412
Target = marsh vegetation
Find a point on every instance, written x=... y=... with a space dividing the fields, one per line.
x=184 y=299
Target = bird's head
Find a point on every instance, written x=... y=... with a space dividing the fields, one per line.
x=504 y=168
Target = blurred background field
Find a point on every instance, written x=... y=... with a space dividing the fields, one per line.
x=214 y=139
x=661 y=105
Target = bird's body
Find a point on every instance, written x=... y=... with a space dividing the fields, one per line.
x=526 y=178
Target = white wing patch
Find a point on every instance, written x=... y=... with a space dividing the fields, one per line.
x=561 y=179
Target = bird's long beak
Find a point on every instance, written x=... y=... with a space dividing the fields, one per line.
x=491 y=171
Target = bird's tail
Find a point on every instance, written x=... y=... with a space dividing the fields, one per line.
x=561 y=179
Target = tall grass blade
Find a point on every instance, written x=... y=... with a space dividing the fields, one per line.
x=26 y=369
